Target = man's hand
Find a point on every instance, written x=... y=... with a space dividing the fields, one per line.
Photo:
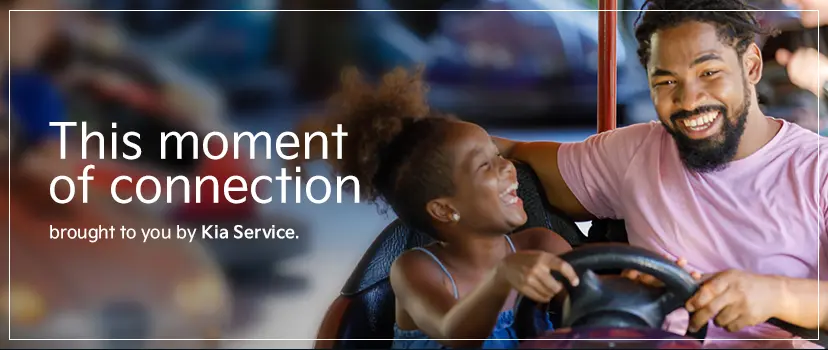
x=735 y=300
x=802 y=67
x=652 y=281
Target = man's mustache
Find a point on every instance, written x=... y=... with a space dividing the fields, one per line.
x=684 y=114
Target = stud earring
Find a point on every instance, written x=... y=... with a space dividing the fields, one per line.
x=455 y=217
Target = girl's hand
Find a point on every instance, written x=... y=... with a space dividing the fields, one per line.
x=529 y=272
x=652 y=281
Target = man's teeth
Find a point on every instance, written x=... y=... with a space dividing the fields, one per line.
x=702 y=121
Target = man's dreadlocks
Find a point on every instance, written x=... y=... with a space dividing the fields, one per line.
x=735 y=20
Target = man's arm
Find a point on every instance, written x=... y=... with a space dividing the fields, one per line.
x=543 y=158
x=736 y=299
x=800 y=300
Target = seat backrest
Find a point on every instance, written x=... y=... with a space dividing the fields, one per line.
x=365 y=308
x=607 y=231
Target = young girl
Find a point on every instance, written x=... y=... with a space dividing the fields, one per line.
x=445 y=178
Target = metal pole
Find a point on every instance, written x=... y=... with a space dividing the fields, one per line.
x=607 y=65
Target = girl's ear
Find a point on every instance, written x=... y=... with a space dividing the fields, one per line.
x=441 y=210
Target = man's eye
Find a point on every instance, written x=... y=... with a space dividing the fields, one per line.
x=709 y=73
x=666 y=82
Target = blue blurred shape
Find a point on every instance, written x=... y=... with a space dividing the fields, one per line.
x=216 y=44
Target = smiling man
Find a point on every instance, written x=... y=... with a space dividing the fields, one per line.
x=740 y=195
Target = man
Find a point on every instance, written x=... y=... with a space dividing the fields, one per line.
x=735 y=192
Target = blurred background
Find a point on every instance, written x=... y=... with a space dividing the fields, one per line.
x=522 y=75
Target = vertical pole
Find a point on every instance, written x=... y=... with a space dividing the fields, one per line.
x=607 y=64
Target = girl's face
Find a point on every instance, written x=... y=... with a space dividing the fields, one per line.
x=485 y=196
x=809 y=17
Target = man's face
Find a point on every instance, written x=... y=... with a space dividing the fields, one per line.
x=700 y=92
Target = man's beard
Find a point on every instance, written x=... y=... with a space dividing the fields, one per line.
x=715 y=152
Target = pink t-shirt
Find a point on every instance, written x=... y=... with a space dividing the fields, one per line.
x=765 y=213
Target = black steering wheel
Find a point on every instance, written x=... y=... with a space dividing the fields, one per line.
x=612 y=300
x=617 y=302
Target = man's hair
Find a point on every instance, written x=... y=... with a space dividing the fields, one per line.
x=735 y=21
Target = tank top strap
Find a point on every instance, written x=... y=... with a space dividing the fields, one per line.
x=443 y=267
x=508 y=239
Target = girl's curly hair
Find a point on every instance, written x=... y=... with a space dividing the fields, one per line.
x=394 y=143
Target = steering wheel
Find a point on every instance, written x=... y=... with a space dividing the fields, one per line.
x=612 y=300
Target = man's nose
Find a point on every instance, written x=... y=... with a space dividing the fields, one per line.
x=688 y=96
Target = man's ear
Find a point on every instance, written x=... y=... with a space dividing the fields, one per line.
x=753 y=65
x=441 y=210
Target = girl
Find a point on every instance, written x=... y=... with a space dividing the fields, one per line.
x=445 y=178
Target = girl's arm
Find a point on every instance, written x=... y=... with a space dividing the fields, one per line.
x=421 y=289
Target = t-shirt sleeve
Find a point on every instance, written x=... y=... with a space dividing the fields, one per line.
x=594 y=169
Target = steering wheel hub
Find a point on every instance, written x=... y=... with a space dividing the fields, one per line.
x=596 y=302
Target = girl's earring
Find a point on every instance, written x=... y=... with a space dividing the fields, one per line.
x=455 y=217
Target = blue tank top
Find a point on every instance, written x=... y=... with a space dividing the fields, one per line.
x=504 y=336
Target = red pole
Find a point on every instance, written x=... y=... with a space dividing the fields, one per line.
x=607 y=65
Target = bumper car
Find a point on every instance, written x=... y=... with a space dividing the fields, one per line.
x=606 y=310
x=606 y=306
x=132 y=92
x=102 y=291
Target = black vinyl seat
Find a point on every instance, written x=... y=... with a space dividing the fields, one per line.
x=607 y=231
x=365 y=308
